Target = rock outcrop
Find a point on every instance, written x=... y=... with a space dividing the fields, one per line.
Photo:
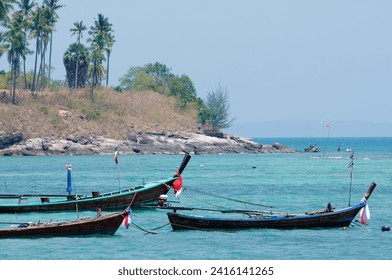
x=139 y=143
x=9 y=139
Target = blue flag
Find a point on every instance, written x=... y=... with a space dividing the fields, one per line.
x=69 y=178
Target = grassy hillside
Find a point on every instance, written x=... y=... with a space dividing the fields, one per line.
x=66 y=113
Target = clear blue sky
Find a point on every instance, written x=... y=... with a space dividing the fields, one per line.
x=278 y=60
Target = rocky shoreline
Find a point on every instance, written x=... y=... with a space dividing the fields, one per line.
x=13 y=144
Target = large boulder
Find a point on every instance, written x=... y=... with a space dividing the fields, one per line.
x=9 y=139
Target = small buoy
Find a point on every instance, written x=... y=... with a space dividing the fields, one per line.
x=254 y=167
x=385 y=228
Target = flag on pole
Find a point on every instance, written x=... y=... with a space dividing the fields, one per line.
x=68 y=167
x=177 y=185
x=116 y=155
x=364 y=215
x=351 y=164
x=128 y=218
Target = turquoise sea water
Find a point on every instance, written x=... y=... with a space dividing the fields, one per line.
x=290 y=182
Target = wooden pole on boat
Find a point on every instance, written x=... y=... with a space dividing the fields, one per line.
x=231 y=199
x=118 y=167
x=370 y=191
x=351 y=165
x=71 y=186
x=76 y=197
x=118 y=177
x=326 y=145
x=184 y=163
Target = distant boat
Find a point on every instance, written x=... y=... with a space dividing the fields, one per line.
x=115 y=200
x=312 y=149
x=267 y=219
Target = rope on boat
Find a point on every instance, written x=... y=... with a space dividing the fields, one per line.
x=197 y=228
x=165 y=225
x=356 y=223
x=212 y=204
x=154 y=220
x=232 y=199
x=205 y=229
x=142 y=229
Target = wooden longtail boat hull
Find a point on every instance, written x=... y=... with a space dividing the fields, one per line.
x=262 y=219
x=337 y=218
x=117 y=200
x=107 y=225
x=107 y=201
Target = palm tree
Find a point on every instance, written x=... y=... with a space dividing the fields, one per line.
x=2 y=47
x=40 y=30
x=78 y=29
x=101 y=33
x=53 y=7
x=96 y=70
x=16 y=43
x=76 y=54
x=36 y=32
x=47 y=30
x=5 y=7
x=110 y=42
x=26 y=8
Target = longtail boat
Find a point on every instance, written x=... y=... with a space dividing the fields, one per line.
x=106 y=224
x=101 y=224
x=115 y=200
x=327 y=218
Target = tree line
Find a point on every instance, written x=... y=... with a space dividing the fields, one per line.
x=26 y=22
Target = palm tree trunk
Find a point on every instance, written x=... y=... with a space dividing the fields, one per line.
x=33 y=87
x=24 y=72
x=39 y=83
x=19 y=81
x=14 y=87
x=107 y=70
x=14 y=67
x=12 y=76
x=76 y=72
x=77 y=65
x=41 y=72
x=50 y=56
x=43 y=63
x=94 y=78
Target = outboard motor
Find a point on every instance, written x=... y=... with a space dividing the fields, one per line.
x=162 y=200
